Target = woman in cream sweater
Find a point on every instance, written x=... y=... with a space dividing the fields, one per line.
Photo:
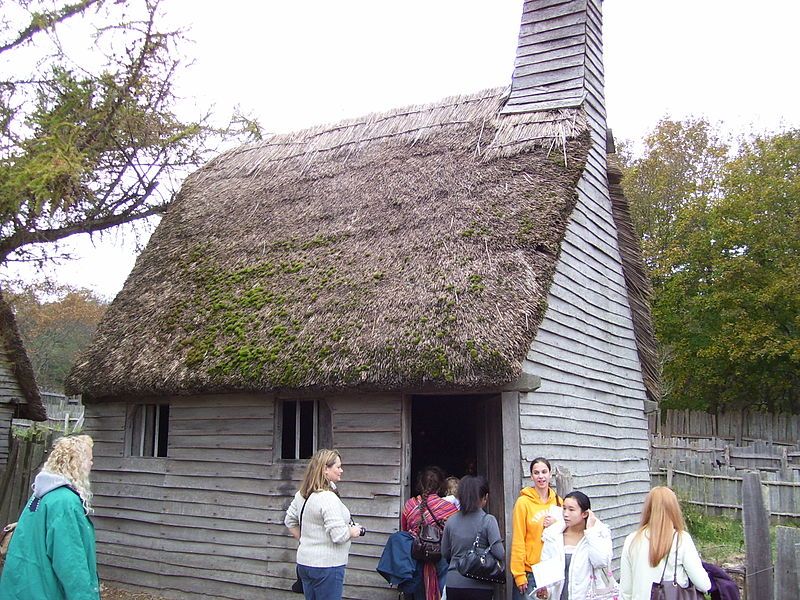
x=321 y=522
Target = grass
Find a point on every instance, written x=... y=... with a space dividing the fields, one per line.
x=719 y=539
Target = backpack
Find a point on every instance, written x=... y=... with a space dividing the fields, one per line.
x=427 y=546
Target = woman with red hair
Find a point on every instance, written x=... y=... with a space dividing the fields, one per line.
x=660 y=548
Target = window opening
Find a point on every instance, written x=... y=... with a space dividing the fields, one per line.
x=299 y=431
x=150 y=430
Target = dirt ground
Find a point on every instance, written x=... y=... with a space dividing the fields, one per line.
x=110 y=593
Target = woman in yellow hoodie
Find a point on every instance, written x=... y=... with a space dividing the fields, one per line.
x=532 y=513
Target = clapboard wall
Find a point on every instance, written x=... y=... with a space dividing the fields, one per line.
x=588 y=415
x=10 y=395
x=207 y=521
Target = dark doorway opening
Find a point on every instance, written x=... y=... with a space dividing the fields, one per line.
x=445 y=432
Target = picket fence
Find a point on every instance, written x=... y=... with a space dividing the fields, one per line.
x=24 y=461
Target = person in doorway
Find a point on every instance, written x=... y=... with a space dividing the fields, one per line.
x=451 y=489
x=428 y=507
x=322 y=524
x=536 y=508
x=583 y=543
x=459 y=535
x=660 y=549
x=52 y=552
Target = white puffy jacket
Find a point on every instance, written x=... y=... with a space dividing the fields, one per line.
x=592 y=556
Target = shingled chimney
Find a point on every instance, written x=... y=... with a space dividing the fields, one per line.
x=559 y=60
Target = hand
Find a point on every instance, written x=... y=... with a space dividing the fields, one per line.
x=542 y=593
x=548 y=520
x=355 y=530
x=591 y=520
x=522 y=588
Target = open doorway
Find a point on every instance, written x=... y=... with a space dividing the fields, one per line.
x=462 y=434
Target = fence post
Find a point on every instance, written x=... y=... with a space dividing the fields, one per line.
x=563 y=481
x=758 y=576
x=787 y=563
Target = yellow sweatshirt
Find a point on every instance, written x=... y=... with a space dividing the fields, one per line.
x=526 y=537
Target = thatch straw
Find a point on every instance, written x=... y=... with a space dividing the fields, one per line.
x=410 y=250
x=637 y=282
x=31 y=406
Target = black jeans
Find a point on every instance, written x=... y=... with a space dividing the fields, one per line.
x=469 y=594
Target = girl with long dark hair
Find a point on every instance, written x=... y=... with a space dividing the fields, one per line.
x=582 y=543
x=460 y=533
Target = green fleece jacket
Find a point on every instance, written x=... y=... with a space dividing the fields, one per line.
x=52 y=552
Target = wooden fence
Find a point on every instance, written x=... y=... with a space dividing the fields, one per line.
x=64 y=414
x=737 y=426
x=24 y=461
x=719 y=489
x=757 y=456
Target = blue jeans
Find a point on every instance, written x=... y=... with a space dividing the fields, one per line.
x=515 y=595
x=322 y=583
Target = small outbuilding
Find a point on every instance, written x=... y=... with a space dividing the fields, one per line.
x=447 y=284
x=19 y=395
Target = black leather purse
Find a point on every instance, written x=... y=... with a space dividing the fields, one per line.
x=479 y=563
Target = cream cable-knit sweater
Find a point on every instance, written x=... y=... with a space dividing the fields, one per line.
x=325 y=532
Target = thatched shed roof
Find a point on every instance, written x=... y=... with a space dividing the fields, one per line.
x=636 y=281
x=32 y=407
x=407 y=250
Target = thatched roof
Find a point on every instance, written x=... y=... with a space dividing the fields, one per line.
x=32 y=407
x=407 y=250
x=637 y=282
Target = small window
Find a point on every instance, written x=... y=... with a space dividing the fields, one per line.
x=149 y=430
x=298 y=434
x=306 y=427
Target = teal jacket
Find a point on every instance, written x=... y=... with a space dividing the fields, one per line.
x=52 y=552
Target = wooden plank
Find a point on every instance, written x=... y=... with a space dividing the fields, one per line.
x=759 y=583
x=512 y=456
x=543 y=11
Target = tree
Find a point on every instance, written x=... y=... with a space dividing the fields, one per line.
x=93 y=142
x=680 y=168
x=727 y=288
x=55 y=330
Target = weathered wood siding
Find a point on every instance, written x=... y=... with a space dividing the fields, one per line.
x=559 y=55
x=368 y=433
x=588 y=415
x=10 y=395
x=6 y=414
x=208 y=520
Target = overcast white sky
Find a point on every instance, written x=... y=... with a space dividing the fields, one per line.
x=305 y=62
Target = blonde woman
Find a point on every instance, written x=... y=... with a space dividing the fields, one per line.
x=321 y=522
x=660 y=547
x=52 y=553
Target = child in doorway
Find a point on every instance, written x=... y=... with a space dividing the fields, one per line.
x=451 y=484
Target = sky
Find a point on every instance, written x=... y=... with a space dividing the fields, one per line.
x=307 y=62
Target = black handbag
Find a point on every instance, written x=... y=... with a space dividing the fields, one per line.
x=427 y=545
x=479 y=563
x=297 y=586
x=670 y=590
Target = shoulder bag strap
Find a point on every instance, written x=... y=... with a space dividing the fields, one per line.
x=677 y=545
x=421 y=512
x=301 y=515
x=481 y=527
x=437 y=521
x=666 y=560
